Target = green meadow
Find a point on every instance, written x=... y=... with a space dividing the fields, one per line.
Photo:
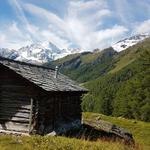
x=139 y=129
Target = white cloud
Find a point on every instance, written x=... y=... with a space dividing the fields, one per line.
x=111 y=35
x=18 y=9
x=49 y=36
x=12 y=37
x=30 y=29
x=90 y=12
x=82 y=26
x=45 y=15
x=123 y=10
x=143 y=27
x=2 y=38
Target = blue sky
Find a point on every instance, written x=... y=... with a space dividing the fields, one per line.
x=85 y=24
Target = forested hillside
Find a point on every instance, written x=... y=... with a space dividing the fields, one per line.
x=118 y=83
x=125 y=90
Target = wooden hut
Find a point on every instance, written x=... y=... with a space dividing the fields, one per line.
x=36 y=99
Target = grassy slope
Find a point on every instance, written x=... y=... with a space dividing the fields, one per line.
x=130 y=55
x=56 y=143
x=140 y=130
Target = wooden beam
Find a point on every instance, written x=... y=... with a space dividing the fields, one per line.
x=30 y=119
x=14 y=126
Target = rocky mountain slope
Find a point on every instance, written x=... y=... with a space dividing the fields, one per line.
x=41 y=52
x=35 y=53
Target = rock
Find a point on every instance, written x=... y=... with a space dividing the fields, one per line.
x=108 y=127
x=53 y=133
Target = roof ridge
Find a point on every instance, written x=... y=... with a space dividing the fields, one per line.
x=25 y=63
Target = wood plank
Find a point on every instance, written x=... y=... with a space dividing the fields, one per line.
x=9 y=109
x=18 y=87
x=3 y=120
x=14 y=105
x=14 y=132
x=23 y=108
x=13 y=101
x=14 y=126
x=27 y=92
x=30 y=116
x=17 y=119
x=7 y=96
x=18 y=93
x=18 y=114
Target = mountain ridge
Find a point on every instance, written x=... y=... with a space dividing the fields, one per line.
x=87 y=65
x=42 y=52
x=128 y=42
x=34 y=53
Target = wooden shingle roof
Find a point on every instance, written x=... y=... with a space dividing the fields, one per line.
x=42 y=76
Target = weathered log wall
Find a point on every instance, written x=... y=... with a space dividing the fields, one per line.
x=15 y=96
x=58 y=107
x=71 y=105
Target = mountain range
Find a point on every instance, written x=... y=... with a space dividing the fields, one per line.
x=35 y=53
x=42 y=52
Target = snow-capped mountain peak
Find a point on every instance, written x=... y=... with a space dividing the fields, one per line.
x=126 y=43
x=40 y=52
